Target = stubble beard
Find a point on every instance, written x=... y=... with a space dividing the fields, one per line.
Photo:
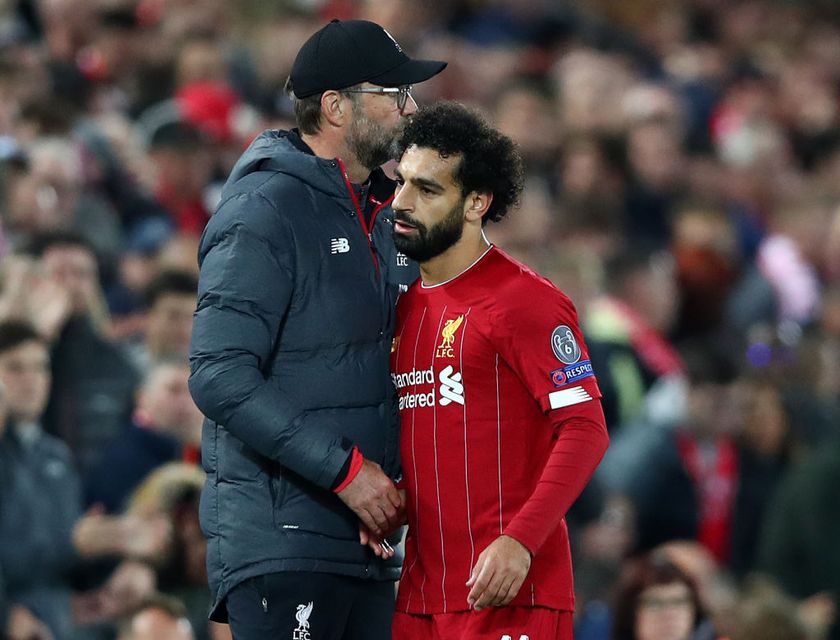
x=371 y=143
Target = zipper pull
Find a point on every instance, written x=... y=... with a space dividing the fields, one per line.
x=265 y=605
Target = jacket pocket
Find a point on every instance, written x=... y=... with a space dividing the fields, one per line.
x=278 y=486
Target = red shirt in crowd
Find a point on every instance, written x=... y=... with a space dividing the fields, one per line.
x=501 y=429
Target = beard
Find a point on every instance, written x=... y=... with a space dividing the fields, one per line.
x=371 y=143
x=428 y=243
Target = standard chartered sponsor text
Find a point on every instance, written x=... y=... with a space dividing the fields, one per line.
x=413 y=378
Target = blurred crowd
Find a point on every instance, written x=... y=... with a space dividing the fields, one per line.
x=683 y=189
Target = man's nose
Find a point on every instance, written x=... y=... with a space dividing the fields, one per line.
x=410 y=107
x=401 y=201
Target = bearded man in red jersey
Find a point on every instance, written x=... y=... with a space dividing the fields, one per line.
x=502 y=424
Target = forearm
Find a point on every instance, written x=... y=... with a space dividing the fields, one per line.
x=236 y=396
x=581 y=442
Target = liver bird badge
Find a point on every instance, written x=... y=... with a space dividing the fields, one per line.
x=447 y=334
x=449 y=329
x=302 y=614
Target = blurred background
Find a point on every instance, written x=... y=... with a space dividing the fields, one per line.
x=683 y=188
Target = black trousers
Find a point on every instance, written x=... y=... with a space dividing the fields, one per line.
x=310 y=606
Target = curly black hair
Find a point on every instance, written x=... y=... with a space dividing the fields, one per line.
x=490 y=162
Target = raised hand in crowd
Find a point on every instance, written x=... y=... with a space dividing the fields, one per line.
x=129 y=536
x=28 y=294
x=23 y=625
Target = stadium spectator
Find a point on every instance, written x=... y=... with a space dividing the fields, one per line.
x=165 y=427
x=797 y=545
x=41 y=495
x=184 y=165
x=93 y=381
x=156 y=618
x=655 y=600
x=627 y=330
x=170 y=303
x=173 y=491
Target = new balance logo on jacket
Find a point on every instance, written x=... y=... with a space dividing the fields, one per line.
x=339 y=245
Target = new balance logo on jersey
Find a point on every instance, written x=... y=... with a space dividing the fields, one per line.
x=451 y=390
x=508 y=637
x=339 y=245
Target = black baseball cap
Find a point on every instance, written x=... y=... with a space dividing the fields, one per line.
x=348 y=52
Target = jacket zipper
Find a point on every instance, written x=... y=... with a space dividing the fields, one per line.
x=360 y=213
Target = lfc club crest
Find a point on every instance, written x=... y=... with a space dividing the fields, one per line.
x=446 y=347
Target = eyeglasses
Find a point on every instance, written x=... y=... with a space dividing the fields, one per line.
x=401 y=94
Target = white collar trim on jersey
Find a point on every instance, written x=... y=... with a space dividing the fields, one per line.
x=440 y=284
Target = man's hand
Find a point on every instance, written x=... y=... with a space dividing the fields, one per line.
x=379 y=546
x=25 y=626
x=498 y=573
x=373 y=497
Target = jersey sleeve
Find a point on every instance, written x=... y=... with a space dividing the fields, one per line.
x=581 y=442
x=539 y=338
x=537 y=333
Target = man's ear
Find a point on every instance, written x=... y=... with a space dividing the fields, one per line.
x=333 y=108
x=476 y=205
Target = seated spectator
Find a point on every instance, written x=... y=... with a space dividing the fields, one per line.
x=157 y=618
x=767 y=447
x=656 y=601
x=44 y=536
x=173 y=491
x=766 y=613
x=184 y=163
x=16 y=621
x=715 y=587
x=49 y=195
x=790 y=254
x=600 y=549
x=639 y=370
x=165 y=427
x=170 y=301
x=93 y=381
x=136 y=268
x=798 y=546
x=656 y=180
x=688 y=487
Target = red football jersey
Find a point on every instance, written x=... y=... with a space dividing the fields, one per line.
x=481 y=363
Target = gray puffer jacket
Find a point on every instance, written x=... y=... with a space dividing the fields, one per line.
x=290 y=363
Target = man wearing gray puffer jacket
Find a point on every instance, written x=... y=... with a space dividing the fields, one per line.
x=290 y=353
